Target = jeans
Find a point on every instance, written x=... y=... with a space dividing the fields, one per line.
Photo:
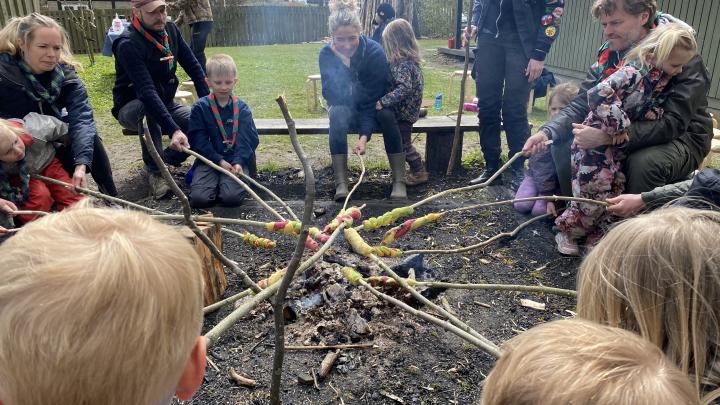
x=502 y=90
x=342 y=119
x=131 y=116
x=199 y=32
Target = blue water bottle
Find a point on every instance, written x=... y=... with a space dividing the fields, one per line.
x=438 y=101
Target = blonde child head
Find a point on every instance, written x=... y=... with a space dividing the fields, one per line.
x=669 y=47
x=399 y=42
x=12 y=149
x=659 y=275
x=560 y=96
x=220 y=65
x=99 y=306
x=580 y=362
x=21 y=30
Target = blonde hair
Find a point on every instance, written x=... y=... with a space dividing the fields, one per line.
x=660 y=43
x=343 y=13
x=22 y=29
x=659 y=275
x=579 y=362
x=564 y=93
x=7 y=129
x=220 y=65
x=399 y=42
x=97 y=306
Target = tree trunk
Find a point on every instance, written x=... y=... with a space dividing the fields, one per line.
x=214 y=279
x=403 y=9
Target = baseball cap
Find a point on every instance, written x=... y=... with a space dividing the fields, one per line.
x=148 y=5
x=386 y=11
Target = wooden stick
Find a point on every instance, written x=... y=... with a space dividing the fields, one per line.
x=451 y=317
x=216 y=220
x=30 y=212
x=456 y=138
x=500 y=287
x=235 y=179
x=295 y=261
x=229 y=300
x=243 y=185
x=360 y=179
x=492 y=350
x=545 y=197
x=96 y=194
x=334 y=347
x=213 y=335
x=477 y=245
x=188 y=214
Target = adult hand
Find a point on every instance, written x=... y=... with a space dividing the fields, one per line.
x=378 y=106
x=344 y=59
x=359 y=148
x=7 y=207
x=588 y=137
x=225 y=165
x=551 y=210
x=79 y=178
x=237 y=169
x=468 y=34
x=625 y=205
x=179 y=141
x=535 y=144
x=534 y=69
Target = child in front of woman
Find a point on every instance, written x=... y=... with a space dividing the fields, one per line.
x=634 y=92
x=541 y=177
x=405 y=97
x=26 y=147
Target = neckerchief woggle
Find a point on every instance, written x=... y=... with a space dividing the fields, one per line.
x=164 y=47
x=236 y=118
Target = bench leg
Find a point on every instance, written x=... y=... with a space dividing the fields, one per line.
x=438 y=148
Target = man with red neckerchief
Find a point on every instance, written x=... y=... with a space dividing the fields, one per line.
x=146 y=60
x=661 y=151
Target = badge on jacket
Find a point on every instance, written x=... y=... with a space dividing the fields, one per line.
x=550 y=31
x=546 y=19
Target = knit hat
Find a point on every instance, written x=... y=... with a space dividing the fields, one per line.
x=386 y=11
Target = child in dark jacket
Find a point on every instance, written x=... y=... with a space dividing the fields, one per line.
x=541 y=178
x=405 y=97
x=384 y=14
x=222 y=130
x=26 y=148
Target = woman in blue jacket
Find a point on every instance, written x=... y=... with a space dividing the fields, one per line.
x=355 y=75
x=37 y=74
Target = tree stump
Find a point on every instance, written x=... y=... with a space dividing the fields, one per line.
x=438 y=148
x=214 y=279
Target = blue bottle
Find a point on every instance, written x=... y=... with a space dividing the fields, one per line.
x=438 y=101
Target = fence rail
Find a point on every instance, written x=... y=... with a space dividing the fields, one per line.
x=16 y=8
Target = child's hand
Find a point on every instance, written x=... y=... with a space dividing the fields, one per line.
x=378 y=106
x=225 y=165
x=237 y=169
x=650 y=115
x=359 y=148
x=551 y=208
x=7 y=207
x=617 y=140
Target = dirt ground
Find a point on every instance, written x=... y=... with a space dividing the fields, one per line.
x=414 y=362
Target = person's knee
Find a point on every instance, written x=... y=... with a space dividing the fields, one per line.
x=232 y=199
x=386 y=116
x=202 y=197
x=340 y=117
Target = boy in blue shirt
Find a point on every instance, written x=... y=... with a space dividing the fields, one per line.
x=222 y=130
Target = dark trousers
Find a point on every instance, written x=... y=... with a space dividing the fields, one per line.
x=502 y=90
x=131 y=116
x=100 y=169
x=644 y=169
x=210 y=186
x=342 y=118
x=199 y=32
x=412 y=156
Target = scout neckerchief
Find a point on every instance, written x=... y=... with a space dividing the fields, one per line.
x=164 y=47
x=236 y=118
x=37 y=92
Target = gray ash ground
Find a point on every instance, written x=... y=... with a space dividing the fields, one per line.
x=415 y=361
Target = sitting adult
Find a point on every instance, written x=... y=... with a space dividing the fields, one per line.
x=146 y=59
x=660 y=151
x=355 y=75
x=38 y=74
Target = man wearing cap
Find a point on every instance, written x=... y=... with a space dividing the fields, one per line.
x=146 y=59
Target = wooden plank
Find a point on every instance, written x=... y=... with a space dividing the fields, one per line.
x=309 y=126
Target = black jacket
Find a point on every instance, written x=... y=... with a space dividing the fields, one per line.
x=16 y=103
x=140 y=74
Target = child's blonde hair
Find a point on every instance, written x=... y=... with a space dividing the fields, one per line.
x=580 y=362
x=564 y=93
x=343 y=13
x=97 y=306
x=660 y=42
x=659 y=275
x=220 y=65
x=399 y=42
x=22 y=29
x=7 y=129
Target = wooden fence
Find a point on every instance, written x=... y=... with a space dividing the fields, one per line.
x=581 y=35
x=233 y=26
x=436 y=18
x=16 y=8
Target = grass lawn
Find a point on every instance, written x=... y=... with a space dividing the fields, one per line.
x=267 y=71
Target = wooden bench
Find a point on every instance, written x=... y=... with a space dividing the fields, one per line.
x=440 y=131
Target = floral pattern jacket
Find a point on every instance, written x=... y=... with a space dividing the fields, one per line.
x=407 y=90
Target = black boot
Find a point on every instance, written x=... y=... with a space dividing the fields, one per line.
x=517 y=174
x=489 y=171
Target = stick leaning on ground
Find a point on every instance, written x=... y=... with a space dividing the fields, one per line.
x=456 y=138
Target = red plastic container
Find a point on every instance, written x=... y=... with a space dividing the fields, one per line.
x=451 y=42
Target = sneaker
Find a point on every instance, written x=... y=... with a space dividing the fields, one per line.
x=158 y=186
x=414 y=179
x=566 y=246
